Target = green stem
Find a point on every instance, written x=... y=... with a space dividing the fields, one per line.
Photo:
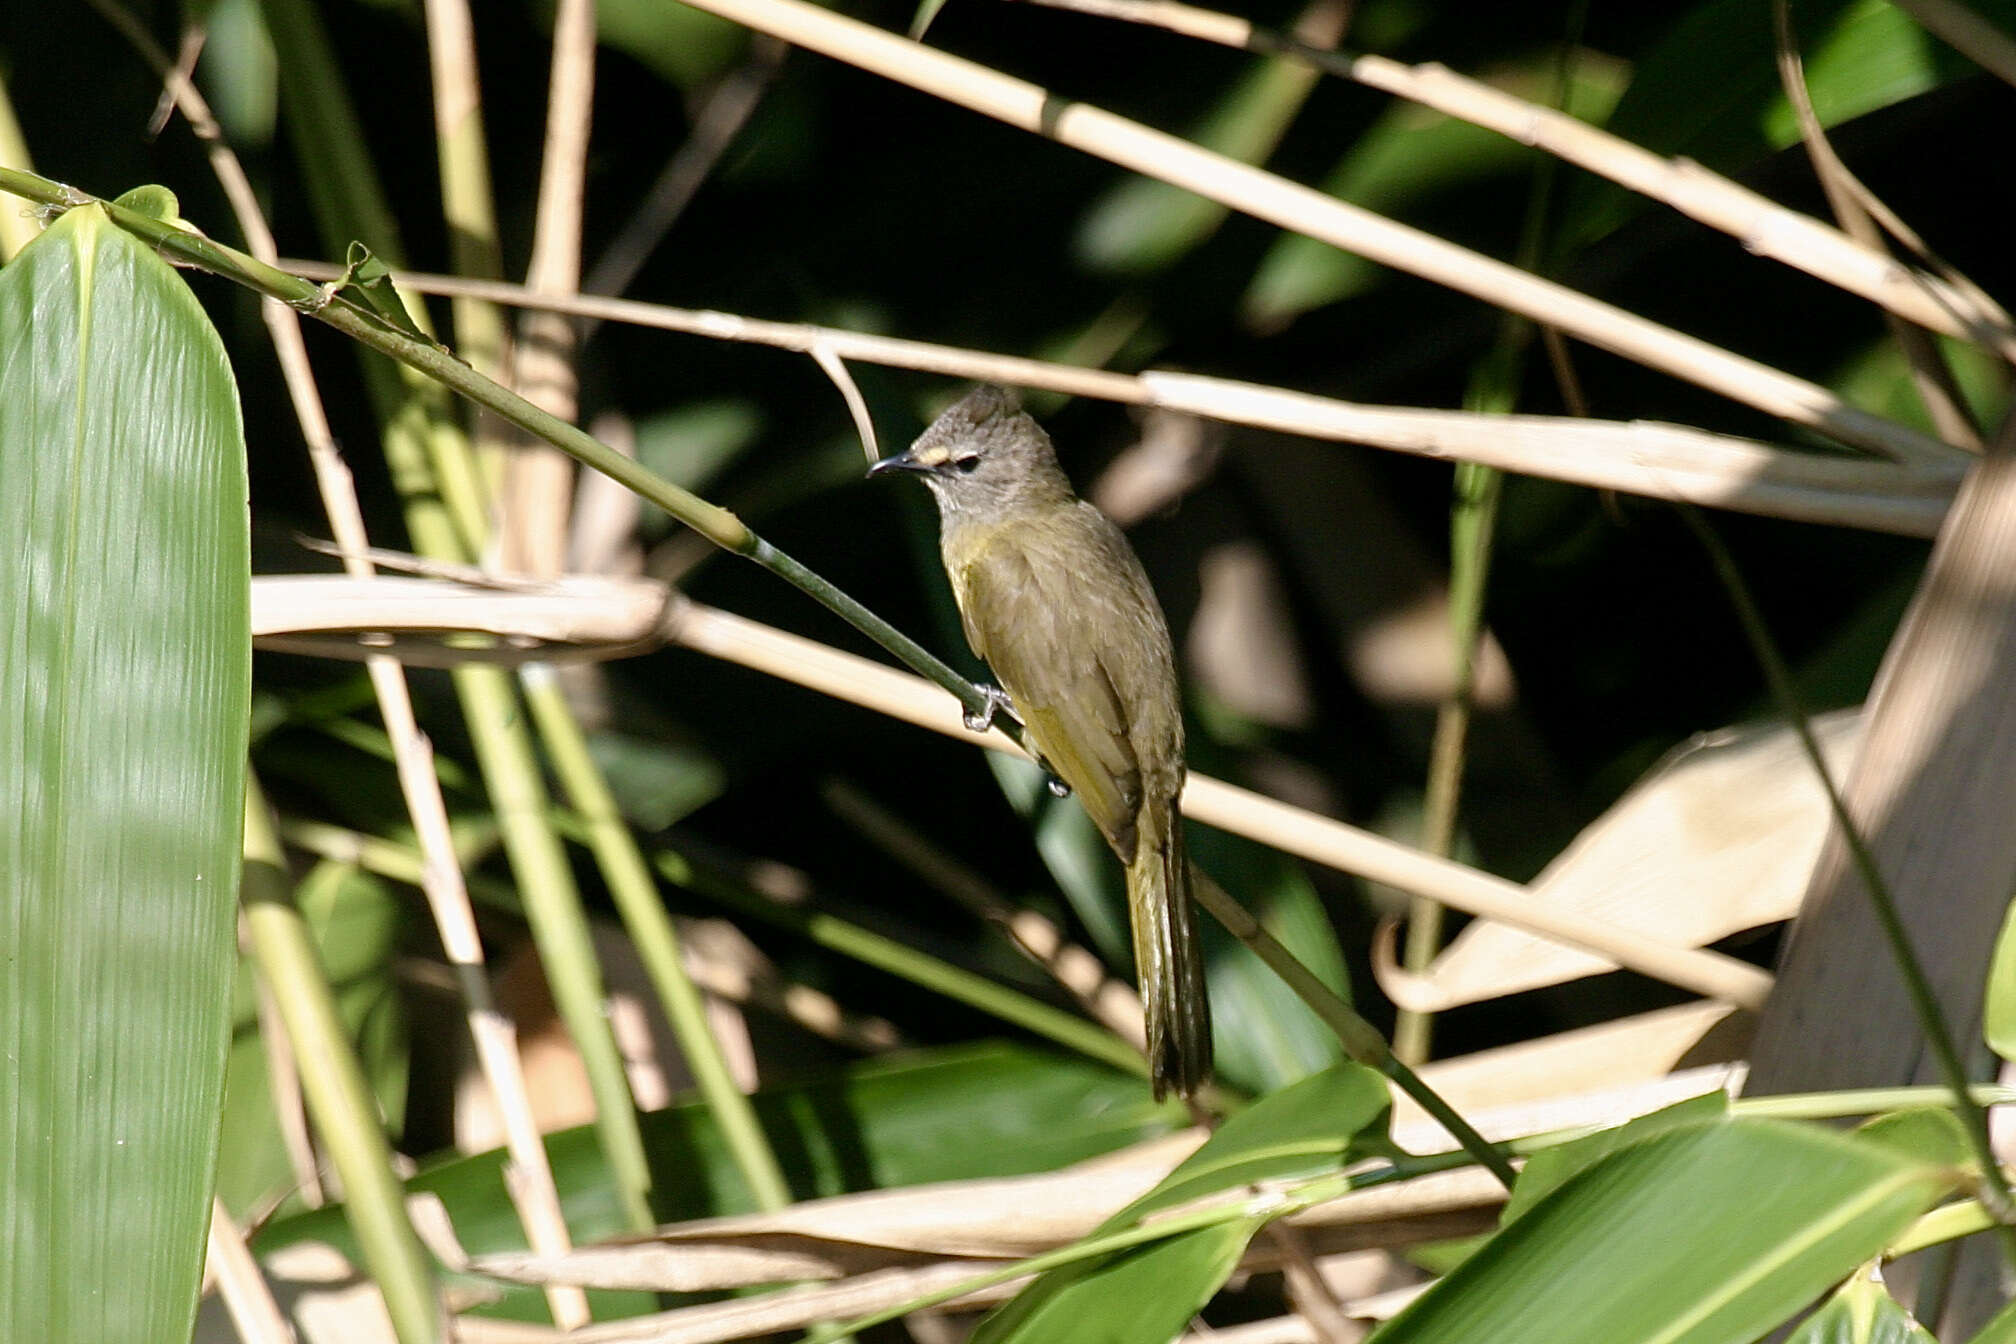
x=657 y=942
x=558 y=921
x=1361 y=1040
x=1473 y=519
x=339 y=1099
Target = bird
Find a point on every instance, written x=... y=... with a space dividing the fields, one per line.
x=1056 y=602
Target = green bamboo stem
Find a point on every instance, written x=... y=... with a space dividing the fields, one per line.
x=1361 y=1040
x=651 y=930
x=559 y=923
x=339 y=1100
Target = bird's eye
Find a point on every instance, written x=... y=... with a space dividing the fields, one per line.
x=968 y=464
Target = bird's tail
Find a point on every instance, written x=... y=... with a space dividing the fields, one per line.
x=1169 y=958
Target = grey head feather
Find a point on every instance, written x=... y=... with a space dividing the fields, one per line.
x=984 y=457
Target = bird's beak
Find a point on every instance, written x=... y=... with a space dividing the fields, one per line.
x=903 y=461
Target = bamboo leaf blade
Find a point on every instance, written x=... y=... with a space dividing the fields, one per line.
x=125 y=667
x=1702 y=1234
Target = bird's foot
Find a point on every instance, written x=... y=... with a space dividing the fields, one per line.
x=980 y=720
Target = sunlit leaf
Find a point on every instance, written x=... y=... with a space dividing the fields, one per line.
x=1713 y=1234
x=125 y=666
x=1140 y=1296
x=1551 y=1168
x=1147 y=1293
x=1998 y=1021
x=1863 y=1312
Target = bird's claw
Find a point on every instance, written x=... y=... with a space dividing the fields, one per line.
x=980 y=720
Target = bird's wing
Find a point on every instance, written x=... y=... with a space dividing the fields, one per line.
x=1037 y=625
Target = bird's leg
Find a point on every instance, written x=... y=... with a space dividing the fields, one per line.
x=980 y=720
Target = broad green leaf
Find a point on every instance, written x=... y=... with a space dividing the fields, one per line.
x=656 y=782
x=1862 y=1312
x=1998 y=1017
x=690 y=445
x=1551 y=1168
x=1264 y=1037
x=683 y=45
x=1713 y=1234
x=2001 y=1328
x=238 y=73
x=942 y=1115
x=1320 y=1125
x=1924 y=1133
x=1147 y=1293
x=1142 y=1296
x=125 y=667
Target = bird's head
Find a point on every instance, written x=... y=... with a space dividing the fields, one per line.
x=984 y=456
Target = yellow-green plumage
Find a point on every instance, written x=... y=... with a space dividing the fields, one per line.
x=1054 y=599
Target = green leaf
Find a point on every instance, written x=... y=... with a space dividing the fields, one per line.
x=1320 y=1125
x=682 y=45
x=692 y=444
x=1862 y=1312
x=1998 y=1017
x=1712 y=1233
x=1925 y=1133
x=1551 y=1168
x=1710 y=90
x=920 y=23
x=655 y=782
x=1264 y=1037
x=2001 y=1328
x=1149 y=1292
x=366 y=282
x=125 y=668
x=1402 y=165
